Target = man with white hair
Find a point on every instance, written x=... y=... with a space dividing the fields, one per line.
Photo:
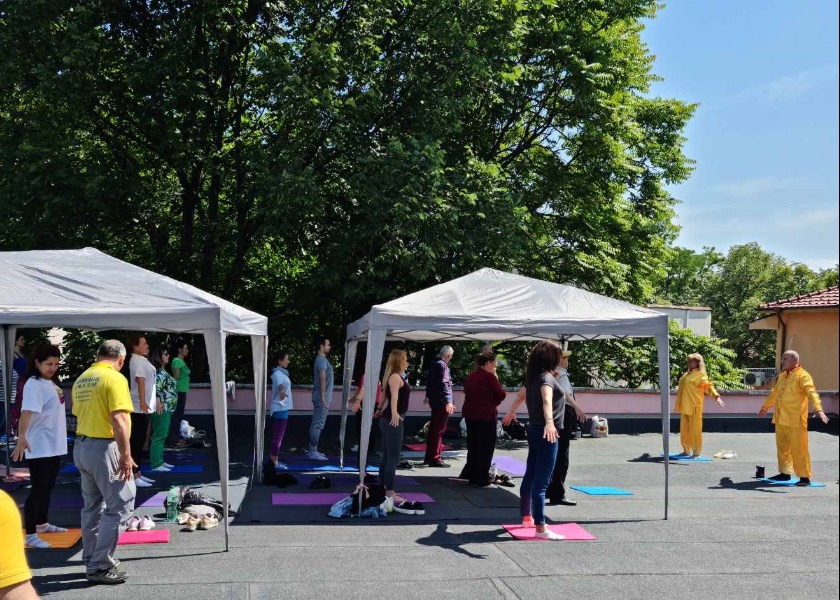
x=439 y=398
x=789 y=399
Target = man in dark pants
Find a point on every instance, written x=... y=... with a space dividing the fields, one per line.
x=556 y=491
x=439 y=398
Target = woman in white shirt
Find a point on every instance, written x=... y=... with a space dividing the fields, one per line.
x=142 y=376
x=42 y=439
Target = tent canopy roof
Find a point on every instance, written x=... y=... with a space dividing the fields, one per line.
x=494 y=305
x=88 y=289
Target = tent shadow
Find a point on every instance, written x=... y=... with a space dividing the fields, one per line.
x=726 y=483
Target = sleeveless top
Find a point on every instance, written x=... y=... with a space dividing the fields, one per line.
x=402 y=400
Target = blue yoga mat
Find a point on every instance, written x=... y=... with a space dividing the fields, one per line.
x=601 y=491
x=684 y=459
x=325 y=468
x=790 y=483
x=148 y=469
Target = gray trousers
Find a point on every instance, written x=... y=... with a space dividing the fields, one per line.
x=319 y=419
x=108 y=502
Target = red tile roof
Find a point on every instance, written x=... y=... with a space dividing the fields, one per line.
x=829 y=298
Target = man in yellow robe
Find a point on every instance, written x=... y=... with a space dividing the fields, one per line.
x=790 y=398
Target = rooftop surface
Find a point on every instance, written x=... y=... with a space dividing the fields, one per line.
x=820 y=299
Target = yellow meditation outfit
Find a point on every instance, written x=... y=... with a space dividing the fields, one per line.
x=692 y=388
x=789 y=399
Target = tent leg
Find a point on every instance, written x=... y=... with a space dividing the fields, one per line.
x=662 y=350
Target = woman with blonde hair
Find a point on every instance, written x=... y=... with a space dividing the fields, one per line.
x=390 y=410
x=694 y=385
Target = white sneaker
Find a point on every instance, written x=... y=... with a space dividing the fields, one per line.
x=730 y=454
x=548 y=535
x=133 y=523
x=719 y=454
x=315 y=455
x=142 y=483
x=167 y=465
x=161 y=469
x=146 y=523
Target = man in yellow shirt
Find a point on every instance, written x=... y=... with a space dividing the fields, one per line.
x=793 y=392
x=102 y=405
x=15 y=576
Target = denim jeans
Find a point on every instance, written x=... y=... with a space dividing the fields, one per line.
x=319 y=419
x=541 y=457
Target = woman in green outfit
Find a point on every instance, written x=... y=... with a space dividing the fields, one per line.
x=181 y=373
x=167 y=400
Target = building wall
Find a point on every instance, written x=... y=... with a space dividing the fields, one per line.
x=816 y=336
x=696 y=320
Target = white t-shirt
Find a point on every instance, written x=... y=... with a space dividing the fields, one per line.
x=139 y=366
x=47 y=431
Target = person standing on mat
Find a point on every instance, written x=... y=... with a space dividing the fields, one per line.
x=15 y=576
x=546 y=404
x=42 y=439
x=102 y=405
x=166 y=395
x=142 y=377
x=482 y=395
x=556 y=491
x=789 y=399
x=693 y=387
x=181 y=373
x=390 y=413
x=322 y=391
x=281 y=404
x=439 y=399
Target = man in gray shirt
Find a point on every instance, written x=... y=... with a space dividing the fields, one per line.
x=322 y=391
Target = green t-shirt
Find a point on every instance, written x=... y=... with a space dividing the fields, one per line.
x=183 y=379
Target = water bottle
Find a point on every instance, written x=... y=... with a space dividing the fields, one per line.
x=172 y=505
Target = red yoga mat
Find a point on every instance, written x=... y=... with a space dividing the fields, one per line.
x=330 y=498
x=153 y=536
x=571 y=531
x=422 y=447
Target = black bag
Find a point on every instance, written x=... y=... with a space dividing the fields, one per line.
x=516 y=430
x=374 y=497
x=191 y=496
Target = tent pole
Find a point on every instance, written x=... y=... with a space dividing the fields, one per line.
x=665 y=390
x=7 y=384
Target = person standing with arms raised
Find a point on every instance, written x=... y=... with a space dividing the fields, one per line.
x=102 y=453
x=439 y=399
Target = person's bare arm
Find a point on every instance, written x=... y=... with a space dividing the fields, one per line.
x=550 y=431
x=510 y=417
x=141 y=393
x=394 y=384
x=22 y=442
x=19 y=591
x=121 y=422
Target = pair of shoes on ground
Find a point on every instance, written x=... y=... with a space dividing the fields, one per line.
x=136 y=523
x=406 y=465
x=504 y=480
x=193 y=522
x=315 y=455
x=321 y=482
x=726 y=453
x=112 y=576
x=405 y=507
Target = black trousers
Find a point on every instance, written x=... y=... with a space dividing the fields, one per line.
x=557 y=486
x=481 y=443
x=42 y=475
x=139 y=425
x=177 y=415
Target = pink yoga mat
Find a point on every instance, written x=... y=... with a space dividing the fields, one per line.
x=571 y=531
x=156 y=501
x=330 y=498
x=153 y=536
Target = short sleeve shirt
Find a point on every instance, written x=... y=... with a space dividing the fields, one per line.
x=97 y=393
x=322 y=364
x=47 y=430
x=165 y=388
x=139 y=366
x=13 y=567
x=533 y=399
x=183 y=378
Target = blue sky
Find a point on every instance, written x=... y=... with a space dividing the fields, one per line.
x=765 y=136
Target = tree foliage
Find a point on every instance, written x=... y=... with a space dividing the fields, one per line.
x=310 y=158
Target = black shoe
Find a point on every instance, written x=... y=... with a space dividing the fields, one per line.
x=321 y=482
x=803 y=482
x=419 y=509
x=439 y=464
x=564 y=502
x=406 y=508
x=780 y=477
x=110 y=576
x=406 y=465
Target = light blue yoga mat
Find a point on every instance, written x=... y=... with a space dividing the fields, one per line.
x=790 y=483
x=325 y=468
x=148 y=470
x=601 y=491
x=684 y=459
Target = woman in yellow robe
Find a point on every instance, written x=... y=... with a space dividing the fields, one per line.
x=694 y=385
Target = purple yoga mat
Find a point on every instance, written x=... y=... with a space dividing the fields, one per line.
x=155 y=501
x=11 y=486
x=64 y=502
x=330 y=498
x=348 y=479
x=511 y=465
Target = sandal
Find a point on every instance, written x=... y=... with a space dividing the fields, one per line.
x=504 y=480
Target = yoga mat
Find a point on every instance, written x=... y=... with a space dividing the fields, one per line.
x=325 y=468
x=422 y=447
x=790 y=483
x=65 y=539
x=330 y=498
x=156 y=501
x=147 y=470
x=683 y=459
x=511 y=465
x=153 y=536
x=422 y=454
x=66 y=502
x=350 y=480
x=16 y=472
x=571 y=531
x=11 y=486
x=601 y=491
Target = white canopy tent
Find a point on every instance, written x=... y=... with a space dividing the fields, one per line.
x=490 y=305
x=88 y=289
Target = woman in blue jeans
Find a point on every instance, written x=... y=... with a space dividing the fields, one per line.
x=546 y=406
